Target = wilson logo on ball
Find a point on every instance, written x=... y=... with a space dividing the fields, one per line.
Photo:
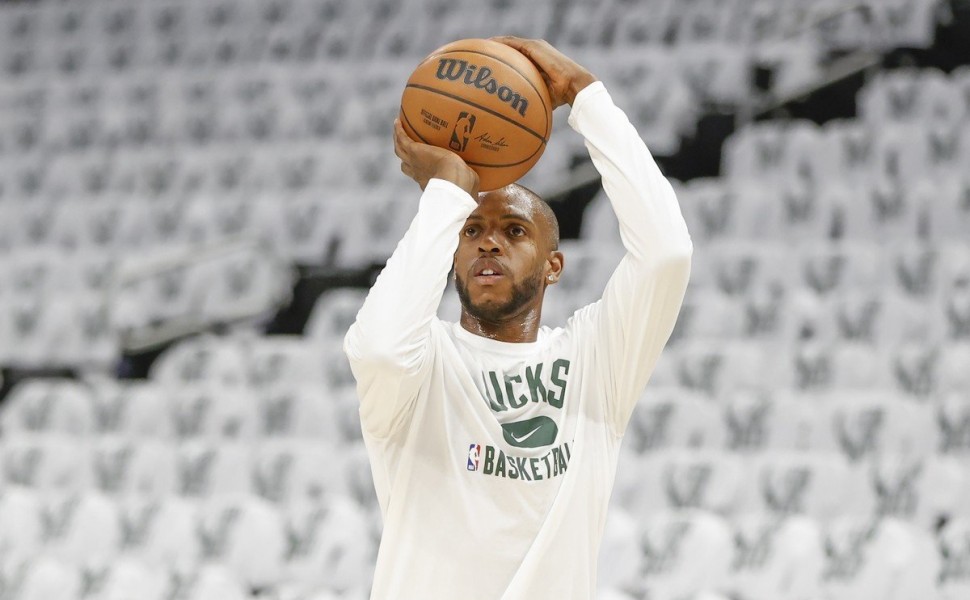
x=451 y=69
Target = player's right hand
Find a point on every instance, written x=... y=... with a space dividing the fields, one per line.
x=563 y=76
x=423 y=162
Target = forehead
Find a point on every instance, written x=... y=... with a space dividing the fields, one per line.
x=505 y=202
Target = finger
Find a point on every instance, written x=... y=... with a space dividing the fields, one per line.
x=402 y=141
x=510 y=40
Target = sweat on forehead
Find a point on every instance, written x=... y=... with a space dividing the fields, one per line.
x=539 y=209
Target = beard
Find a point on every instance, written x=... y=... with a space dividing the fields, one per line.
x=522 y=293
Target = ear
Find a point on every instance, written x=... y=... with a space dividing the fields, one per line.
x=554 y=265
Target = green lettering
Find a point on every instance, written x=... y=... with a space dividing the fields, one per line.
x=513 y=401
x=520 y=463
x=534 y=463
x=500 y=465
x=556 y=460
x=536 y=388
x=545 y=459
x=499 y=404
x=489 y=457
x=513 y=470
x=560 y=369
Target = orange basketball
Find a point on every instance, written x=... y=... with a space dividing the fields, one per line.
x=485 y=101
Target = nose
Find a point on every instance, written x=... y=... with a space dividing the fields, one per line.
x=488 y=243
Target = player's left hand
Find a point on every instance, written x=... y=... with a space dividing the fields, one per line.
x=423 y=162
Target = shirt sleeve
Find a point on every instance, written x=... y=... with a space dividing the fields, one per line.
x=388 y=344
x=633 y=320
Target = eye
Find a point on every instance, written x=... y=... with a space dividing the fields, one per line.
x=516 y=231
x=470 y=231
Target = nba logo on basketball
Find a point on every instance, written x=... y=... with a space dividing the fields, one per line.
x=463 y=129
x=474 y=452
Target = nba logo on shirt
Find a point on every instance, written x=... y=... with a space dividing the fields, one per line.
x=474 y=452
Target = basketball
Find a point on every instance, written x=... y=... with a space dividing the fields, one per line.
x=483 y=100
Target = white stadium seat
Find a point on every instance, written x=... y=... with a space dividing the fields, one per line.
x=244 y=534
x=291 y=471
x=81 y=528
x=954 y=549
x=160 y=531
x=47 y=462
x=48 y=405
x=676 y=479
x=874 y=560
x=21 y=523
x=329 y=544
x=683 y=553
x=775 y=558
x=811 y=484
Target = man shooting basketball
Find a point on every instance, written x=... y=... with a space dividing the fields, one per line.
x=493 y=442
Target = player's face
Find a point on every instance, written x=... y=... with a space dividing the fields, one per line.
x=502 y=257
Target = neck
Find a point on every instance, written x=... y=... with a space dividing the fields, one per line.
x=519 y=328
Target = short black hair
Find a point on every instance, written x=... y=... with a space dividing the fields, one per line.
x=542 y=208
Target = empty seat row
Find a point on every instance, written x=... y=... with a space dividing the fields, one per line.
x=166 y=543
x=846 y=152
x=856 y=425
x=879 y=317
x=912 y=95
x=717 y=367
x=699 y=555
x=288 y=404
x=347 y=227
x=278 y=470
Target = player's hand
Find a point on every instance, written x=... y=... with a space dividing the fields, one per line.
x=564 y=77
x=423 y=162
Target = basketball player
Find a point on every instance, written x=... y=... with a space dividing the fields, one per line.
x=493 y=441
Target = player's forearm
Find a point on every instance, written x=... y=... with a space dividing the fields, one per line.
x=392 y=327
x=652 y=227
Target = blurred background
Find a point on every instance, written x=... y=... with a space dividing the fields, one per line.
x=196 y=194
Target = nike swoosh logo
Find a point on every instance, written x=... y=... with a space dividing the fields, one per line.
x=519 y=440
x=531 y=433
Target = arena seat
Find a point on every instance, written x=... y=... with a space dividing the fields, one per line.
x=245 y=534
x=119 y=465
x=814 y=484
x=288 y=471
x=21 y=525
x=160 y=530
x=48 y=406
x=125 y=577
x=42 y=578
x=775 y=559
x=922 y=491
x=684 y=478
x=329 y=545
x=208 y=468
x=668 y=418
x=46 y=462
x=878 y=423
x=80 y=528
x=333 y=313
x=870 y=560
x=200 y=360
x=683 y=554
x=214 y=411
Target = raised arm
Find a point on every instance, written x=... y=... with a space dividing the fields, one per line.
x=388 y=343
x=634 y=318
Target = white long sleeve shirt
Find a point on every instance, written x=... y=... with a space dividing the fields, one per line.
x=493 y=462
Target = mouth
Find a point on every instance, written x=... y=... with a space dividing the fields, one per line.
x=487 y=271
